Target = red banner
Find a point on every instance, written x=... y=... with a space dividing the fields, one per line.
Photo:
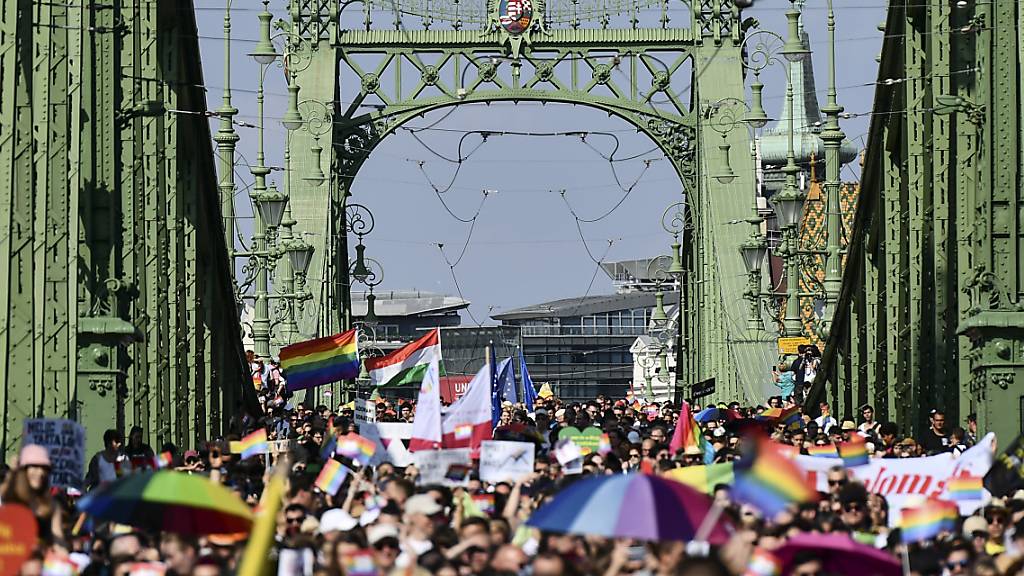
x=454 y=387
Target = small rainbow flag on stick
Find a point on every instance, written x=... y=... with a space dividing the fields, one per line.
x=357 y=448
x=315 y=362
x=254 y=444
x=927 y=520
x=964 y=488
x=824 y=451
x=163 y=460
x=854 y=452
x=763 y=563
x=765 y=478
x=331 y=477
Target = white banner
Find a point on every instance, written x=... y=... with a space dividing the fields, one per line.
x=389 y=437
x=502 y=461
x=902 y=479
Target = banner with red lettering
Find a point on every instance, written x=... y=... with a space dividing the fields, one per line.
x=902 y=479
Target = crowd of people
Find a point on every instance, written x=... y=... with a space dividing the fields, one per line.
x=384 y=520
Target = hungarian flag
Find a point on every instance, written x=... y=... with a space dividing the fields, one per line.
x=426 y=425
x=467 y=422
x=408 y=364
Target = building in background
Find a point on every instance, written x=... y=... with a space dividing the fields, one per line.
x=581 y=346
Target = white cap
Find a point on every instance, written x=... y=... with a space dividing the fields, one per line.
x=336 y=520
x=422 y=504
x=378 y=532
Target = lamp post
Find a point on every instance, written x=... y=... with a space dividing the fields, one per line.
x=273 y=236
x=832 y=135
x=788 y=203
x=226 y=139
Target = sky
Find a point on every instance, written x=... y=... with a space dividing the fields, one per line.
x=525 y=246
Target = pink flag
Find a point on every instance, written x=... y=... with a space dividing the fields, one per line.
x=686 y=431
x=467 y=422
x=426 y=426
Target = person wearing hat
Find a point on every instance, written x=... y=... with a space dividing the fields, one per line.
x=29 y=485
x=998 y=518
x=975 y=530
x=383 y=539
x=420 y=513
x=907 y=448
x=692 y=456
x=847 y=428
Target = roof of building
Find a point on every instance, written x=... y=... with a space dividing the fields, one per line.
x=807 y=144
x=637 y=272
x=399 y=303
x=582 y=306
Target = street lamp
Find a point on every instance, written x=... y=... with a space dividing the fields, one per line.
x=270 y=205
x=265 y=53
x=794 y=50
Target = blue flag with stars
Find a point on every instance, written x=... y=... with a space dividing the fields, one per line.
x=529 y=392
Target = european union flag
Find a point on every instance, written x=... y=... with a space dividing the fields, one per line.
x=529 y=392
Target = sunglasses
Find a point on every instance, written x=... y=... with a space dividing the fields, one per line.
x=837 y=482
x=386 y=543
x=294 y=520
x=853 y=507
x=958 y=564
x=996 y=520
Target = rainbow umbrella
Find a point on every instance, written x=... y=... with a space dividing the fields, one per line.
x=636 y=506
x=169 y=501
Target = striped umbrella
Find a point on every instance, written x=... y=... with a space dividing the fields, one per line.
x=637 y=506
x=169 y=501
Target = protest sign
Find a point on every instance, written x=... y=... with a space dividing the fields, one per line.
x=65 y=441
x=502 y=461
x=566 y=451
x=17 y=537
x=588 y=440
x=433 y=465
x=902 y=479
x=366 y=411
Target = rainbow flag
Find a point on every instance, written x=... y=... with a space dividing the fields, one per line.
x=330 y=445
x=163 y=460
x=765 y=478
x=254 y=444
x=792 y=418
x=826 y=451
x=359 y=564
x=927 y=520
x=315 y=362
x=463 y=432
x=331 y=477
x=357 y=448
x=854 y=452
x=964 y=488
x=763 y=563
x=704 y=478
x=484 y=503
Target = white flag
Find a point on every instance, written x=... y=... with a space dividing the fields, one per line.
x=426 y=426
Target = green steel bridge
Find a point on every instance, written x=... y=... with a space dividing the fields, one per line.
x=117 y=220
